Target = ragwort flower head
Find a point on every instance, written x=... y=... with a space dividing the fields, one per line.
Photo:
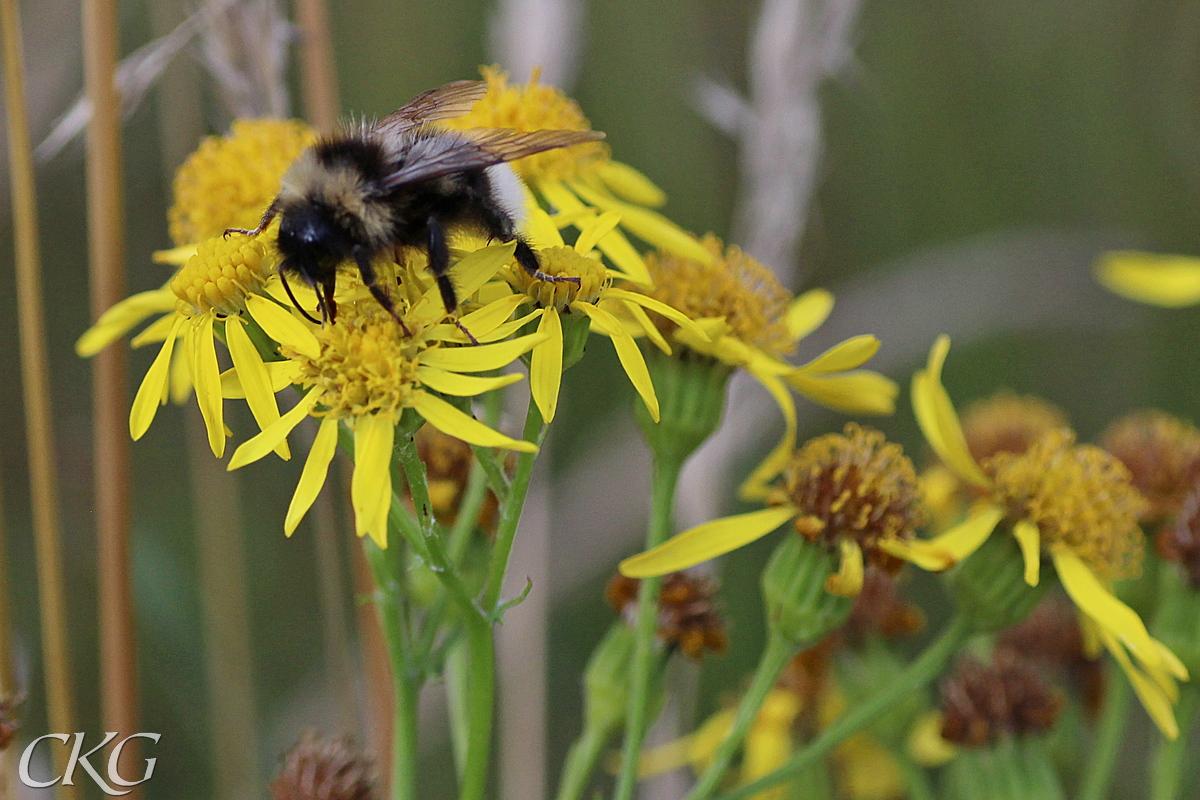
x=1162 y=453
x=367 y=370
x=1071 y=503
x=752 y=322
x=854 y=492
x=982 y=704
x=688 y=616
x=1008 y=423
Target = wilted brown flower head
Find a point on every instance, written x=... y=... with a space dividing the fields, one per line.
x=879 y=608
x=687 y=613
x=448 y=462
x=325 y=769
x=856 y=485
x=1180 y=542
x=807 y=677
x=982 y=703
x=1162 y=453
x=1051 y=640
x=1008 y=423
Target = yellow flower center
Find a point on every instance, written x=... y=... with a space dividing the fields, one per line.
x=366 y=364
x=533 y=107
x=1008 y=423
x=733 y=286
x=217 y=279
x=561 y=262
x=1162 y=453
x=854 y=484
x=1078 y=496
x=230 y=180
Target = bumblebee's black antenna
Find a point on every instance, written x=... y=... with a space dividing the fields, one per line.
x=287 y=288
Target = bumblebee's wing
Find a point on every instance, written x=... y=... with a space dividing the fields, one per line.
x=455 y=151
x=445 y=102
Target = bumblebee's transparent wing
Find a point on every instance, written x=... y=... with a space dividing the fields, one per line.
x=454 y=151
x=445 y=102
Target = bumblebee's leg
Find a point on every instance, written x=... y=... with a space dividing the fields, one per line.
x=287 y=287
x=528 y=260
x=267 y=216
x=439 y=265
x=327 y=286
x=367 y=270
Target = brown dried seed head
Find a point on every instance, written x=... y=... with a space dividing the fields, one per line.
x=1050 y=639
x=325 y=769
x=1181 y=542
x=1008 y=423
x=688 y=617
x=981 y=703
x=1162 y=453
x=880 y=608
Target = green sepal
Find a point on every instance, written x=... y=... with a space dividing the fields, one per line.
x=691 y=392
x=798 y=607
x=990 y=585
x=1009 y=769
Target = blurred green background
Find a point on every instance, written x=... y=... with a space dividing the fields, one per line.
x=977 y=157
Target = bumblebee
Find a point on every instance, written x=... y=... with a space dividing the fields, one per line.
x=404 y=182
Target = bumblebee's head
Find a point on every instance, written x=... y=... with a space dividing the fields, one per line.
x=310 y=241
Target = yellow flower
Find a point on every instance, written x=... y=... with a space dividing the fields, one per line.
x=594 y=298
x=1161 y=280
x=753 y=323
x=582 y=181
x=855 y=492
x=365 y=371
x=1073 y=503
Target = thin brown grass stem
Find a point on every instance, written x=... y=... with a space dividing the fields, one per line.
x=377 y=671
x=35 y=379
x=317 y=76
x=110 y=439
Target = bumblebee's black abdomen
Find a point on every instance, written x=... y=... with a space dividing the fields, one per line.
x=461 y=200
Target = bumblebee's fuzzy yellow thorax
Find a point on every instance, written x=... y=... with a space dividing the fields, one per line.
x=340 y=188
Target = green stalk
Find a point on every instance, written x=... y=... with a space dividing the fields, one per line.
x=916 y=675
x=774 y=658
x=1109 y=735
x=666 y=477
x=581 y=761
x=1167 y=770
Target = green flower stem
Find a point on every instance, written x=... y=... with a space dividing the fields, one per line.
x=666 y=477
x=581 y=761
x=1109 y=735
x=388 y=569
x=916 y=675
x=1167 y=771
x=774 y=658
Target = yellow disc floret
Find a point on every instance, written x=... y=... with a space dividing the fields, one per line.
x=366 y=364
x=218 y=278
x=561 y=262
x=230 y=180
x=734 y=286
x=533 y=107
x=1078 y=496
x=853 y=484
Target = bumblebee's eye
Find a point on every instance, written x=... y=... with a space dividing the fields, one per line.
x=305 y=226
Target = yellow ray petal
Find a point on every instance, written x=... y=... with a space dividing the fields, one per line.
x=253 y=377
x=676 y=316
x=150 y=392
x=1162 y=280
x=479 y=358
x=181 y=378
x=1103 y=607
x=625 y=181
x=848 y=580
x=706 y=541
x=448 y=419
x=540 y=229
x=625 y=257
x=546 y=365
x=468 y=275
x=371 y=483
x=642 y=320
x=279 y=323
x=755 y=486
x=850 y=354
x=312 y=477
x=560 y=197
x=1157 y=704
x=938 y=420
x=860 y=391
x=595 y=230
x=264 y=442
x=808 y=312
x=154 y=332
x=627 y=352
x=453 y=383
x=281 y=374
x=648 y=225
x=121 y=318
x=1029 y=538
x=178 y=256
x=510 y=327
x=206 y=377
x=951 y=547
x=481 y=323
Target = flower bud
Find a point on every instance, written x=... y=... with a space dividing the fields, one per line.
x=691 y=396
x=798 y=607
